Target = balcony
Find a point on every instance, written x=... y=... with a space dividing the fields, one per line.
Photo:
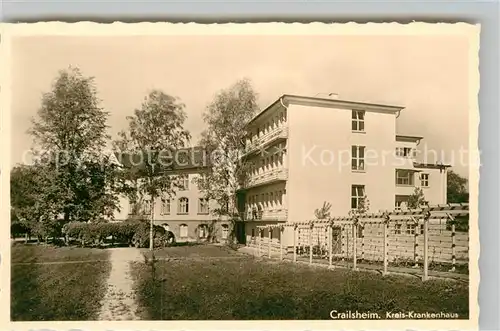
x=276 y=214
x=269 y=177
x=276 y=134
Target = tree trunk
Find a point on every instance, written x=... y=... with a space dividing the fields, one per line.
x=26 y=238
x=151 y=243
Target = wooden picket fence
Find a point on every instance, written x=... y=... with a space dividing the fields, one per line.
x=419 y=236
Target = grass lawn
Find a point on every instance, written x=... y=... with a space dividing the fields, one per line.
x=57 y=291
x=246 y=288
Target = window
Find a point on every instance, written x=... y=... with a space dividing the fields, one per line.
x=358 y=158
x=132 y=205
x=357 y=195
x=202 y=206
x=225 y=231
x=253 y=233
x=165 y=207
x=359 y=233
x=397 y=228
x=185 y=183
x=406 y=152
x=183 y=233
x=410 y=228
x=401 y=202
x=421 y=229
x=404 y=177
x=183 y=206
x=424 y=180
x=202 y=231
x=271 y=199
x=146 y=207
x=358 y=120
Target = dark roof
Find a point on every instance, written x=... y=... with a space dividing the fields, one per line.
x=430 y=165
x=402 y=137
x=181 y=160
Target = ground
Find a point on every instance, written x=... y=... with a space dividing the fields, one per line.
x=206 y=282
x=49 y=283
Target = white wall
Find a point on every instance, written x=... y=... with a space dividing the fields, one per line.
x=327 y=174
x=436 y=192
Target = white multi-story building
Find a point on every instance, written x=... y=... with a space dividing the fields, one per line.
x=304 y=151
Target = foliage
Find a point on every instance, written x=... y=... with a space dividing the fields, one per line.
x=457 y=191
x=129 y=232
x=416 y=199
x=70 y=131
x=226 y=117
x=35 y=199
x=155 y=129
x=323 y=212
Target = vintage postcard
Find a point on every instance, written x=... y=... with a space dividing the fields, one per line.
x=240 y=176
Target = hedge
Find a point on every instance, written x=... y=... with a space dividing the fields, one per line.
x=129 y=232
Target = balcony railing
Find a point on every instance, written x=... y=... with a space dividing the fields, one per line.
x=261 y=142
x=276 y=214
x=270 y=176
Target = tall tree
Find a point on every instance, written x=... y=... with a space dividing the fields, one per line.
x=457 y=191
x=70 y=132
x=226 y=117
x=155 y=134
x=35 y=199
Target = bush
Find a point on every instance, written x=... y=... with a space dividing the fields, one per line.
x=141 y=236
x=95 y=233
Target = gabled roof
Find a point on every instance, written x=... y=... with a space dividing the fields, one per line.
x=169 y=161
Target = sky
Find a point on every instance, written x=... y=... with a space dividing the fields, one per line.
x=428 y=75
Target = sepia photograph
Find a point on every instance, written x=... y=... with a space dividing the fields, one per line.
x=243 y=172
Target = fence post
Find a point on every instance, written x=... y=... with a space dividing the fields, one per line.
x=354 y=243
x=311 y=243
x=282 y=229
x=427 y=215
x=343 y=245
x=453 y=243
x=362 y=241
x=295 y=243
x=386 y=241
x=269 y=236
x=330 y=244
x=260 y=241
x=415 y=241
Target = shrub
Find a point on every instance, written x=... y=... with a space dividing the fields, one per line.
x=94 y=233
x=141 y=236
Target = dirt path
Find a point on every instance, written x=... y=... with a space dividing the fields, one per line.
x=119 y=302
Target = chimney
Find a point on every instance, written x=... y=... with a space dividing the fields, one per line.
x=330 y=95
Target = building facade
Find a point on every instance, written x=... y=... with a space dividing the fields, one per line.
x=304 y=151
x=187 y=213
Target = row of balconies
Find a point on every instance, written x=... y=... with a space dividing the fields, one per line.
x=274 y=135
x=256 y=214
x=268 y=177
